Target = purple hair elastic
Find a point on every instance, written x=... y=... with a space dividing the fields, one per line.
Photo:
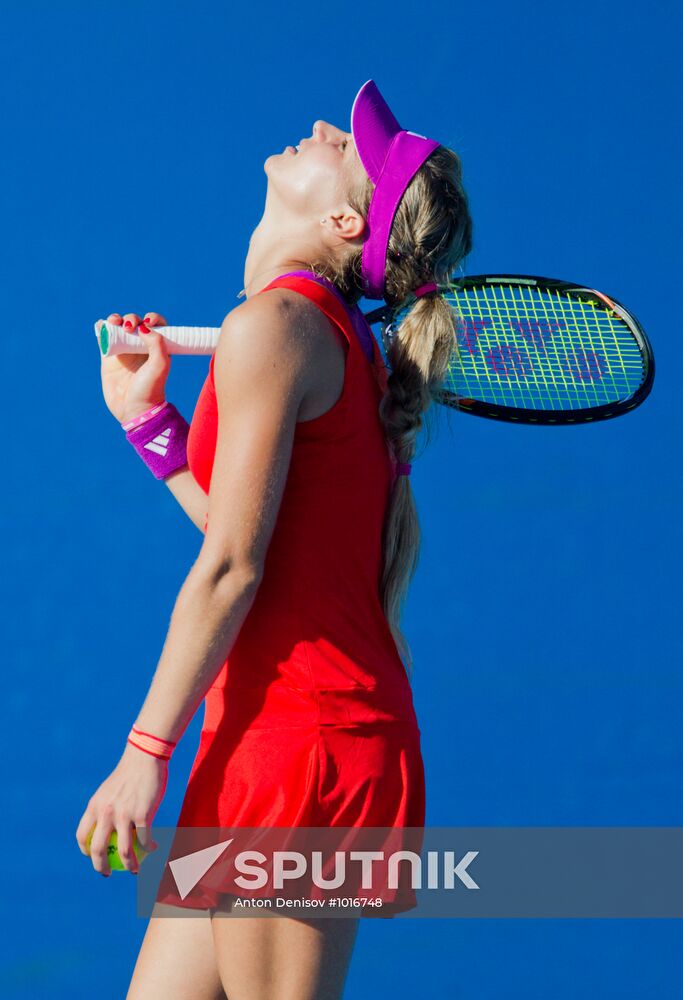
x=403 y=468
x=161 y=442
x=431 y=286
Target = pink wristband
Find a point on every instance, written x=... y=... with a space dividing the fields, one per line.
x=136 y=421
x=154 y=745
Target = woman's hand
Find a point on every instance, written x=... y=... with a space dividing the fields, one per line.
x=132 y=383
x=129 y=797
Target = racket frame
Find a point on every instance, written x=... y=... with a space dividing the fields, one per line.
x=521 y=415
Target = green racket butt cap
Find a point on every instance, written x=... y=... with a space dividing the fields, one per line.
x=104 y=338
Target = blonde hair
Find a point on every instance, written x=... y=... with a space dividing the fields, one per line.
x=430 y=236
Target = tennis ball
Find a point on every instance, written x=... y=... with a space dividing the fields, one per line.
x=115 y=862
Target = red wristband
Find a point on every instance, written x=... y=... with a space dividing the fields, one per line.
x=153 y=745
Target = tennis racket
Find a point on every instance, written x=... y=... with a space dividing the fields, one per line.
x=529 y=349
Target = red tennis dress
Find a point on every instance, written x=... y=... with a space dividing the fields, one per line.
x=310 y=722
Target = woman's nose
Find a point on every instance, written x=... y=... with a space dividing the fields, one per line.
x=322 y=130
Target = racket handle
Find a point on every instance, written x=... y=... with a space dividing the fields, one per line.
x=114 y=339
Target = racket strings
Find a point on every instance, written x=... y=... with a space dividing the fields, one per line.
x=535 y=348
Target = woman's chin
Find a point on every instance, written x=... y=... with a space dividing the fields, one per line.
x=274 y=157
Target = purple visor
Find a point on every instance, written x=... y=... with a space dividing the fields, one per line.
x=391 y=157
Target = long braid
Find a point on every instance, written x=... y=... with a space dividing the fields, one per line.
x=430 y=236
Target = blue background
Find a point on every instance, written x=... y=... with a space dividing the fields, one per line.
x=544 y=617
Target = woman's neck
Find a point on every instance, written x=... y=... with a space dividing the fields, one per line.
x=268 y=258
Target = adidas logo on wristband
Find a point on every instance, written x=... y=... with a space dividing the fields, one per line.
x=160 y=443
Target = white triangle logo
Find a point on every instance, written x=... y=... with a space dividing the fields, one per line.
x=187 y=871
x=160 y=443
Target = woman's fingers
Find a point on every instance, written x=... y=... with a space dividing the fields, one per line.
x=143 y=829
x=155 y=319
x=83 y=829
x=130 y=321
x=99 y=854
x=124 y=843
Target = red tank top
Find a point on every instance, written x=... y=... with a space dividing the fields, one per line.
x=316 y=645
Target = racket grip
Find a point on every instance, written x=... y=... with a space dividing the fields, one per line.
x=113 y=339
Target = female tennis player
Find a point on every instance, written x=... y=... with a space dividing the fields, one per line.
x=295 y=466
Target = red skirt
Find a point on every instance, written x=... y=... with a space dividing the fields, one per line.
x=250 y=774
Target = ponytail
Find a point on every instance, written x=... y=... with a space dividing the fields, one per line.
x=430 y=235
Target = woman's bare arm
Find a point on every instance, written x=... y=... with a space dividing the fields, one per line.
x=189 y=495
x=182 y=483
x=264 y=370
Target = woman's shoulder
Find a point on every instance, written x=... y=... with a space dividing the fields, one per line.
x=263 y=322
x=283 y=335
x=281 y=319
x=278 y=303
